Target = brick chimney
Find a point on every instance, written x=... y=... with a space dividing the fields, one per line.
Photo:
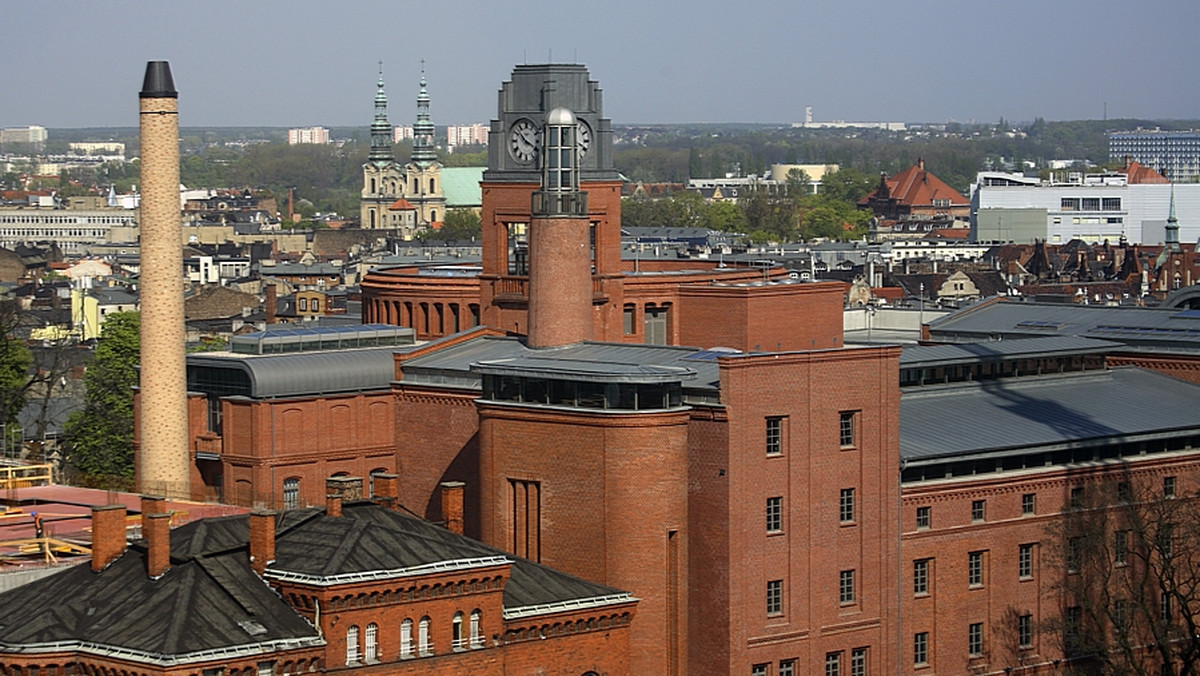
x=157 y=533
x=271 y=304
x=452 y=505
x=387 y=489
x=152 y=504
x=333 y=505
x=339 y=489
x=108 y=535
x=262 y=540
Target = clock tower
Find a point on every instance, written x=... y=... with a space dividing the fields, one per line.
x=516 y=160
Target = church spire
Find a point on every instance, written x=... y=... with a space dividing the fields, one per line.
x=381 y=129
x=1171 y=236
x=423 y=153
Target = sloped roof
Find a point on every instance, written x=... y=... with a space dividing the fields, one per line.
x=289 y=375
x=916 y=186
x=401 y=205
x=1045 y=412
x=460 y=186
x=1140 y=173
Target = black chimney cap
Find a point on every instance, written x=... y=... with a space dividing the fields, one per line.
x=158 y=83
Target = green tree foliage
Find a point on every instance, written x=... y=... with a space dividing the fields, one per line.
x=15 y=360
x=100 y=435
x=459 y=224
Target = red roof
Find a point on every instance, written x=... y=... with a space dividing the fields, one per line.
x=1139 y=173
x=950 y=233
x=915 y=186
x=401 y=205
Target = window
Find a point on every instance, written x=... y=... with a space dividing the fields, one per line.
x=456 y=633
x=1025 y=631
x=1120 y=614
x=1074 y=549
x=977 y=510
x=758 y=670
x=1110 y=203
x=774 y=514
x=371 y=649
x=1071 y=627
x=352 y=644
x=1069 y=204
x=476 y=631
x=1121 y=547
x=424 y=645
x=774 y=597
x=627 y=320
x=1077 y=497
x=264 y=668
x=921 y=648
x=774 y=436
x=846 y=435
x=787 y=668
x=975 y=639
x=302 y=304
x=1164 y=606
x=406 y=644
x=1123 y=491
x=846 y=505
x=291 y=493
x=833 y=664
x=1028 y=504
x=858 y=662
x=921 y=577
x=975 y=568
x=1090 y=204
x=924 y=517
x=846 y=587
x=1168 y=487
x=1025 y=561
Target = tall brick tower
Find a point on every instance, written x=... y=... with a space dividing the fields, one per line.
x=560 y=277
x=163 y=461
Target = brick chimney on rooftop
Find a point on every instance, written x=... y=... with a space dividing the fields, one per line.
x=452 y=505
x=108 y=535
x=262 y=540
x=386 y=489
x=157 y=533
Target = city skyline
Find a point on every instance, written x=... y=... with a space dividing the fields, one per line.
x=278 y=64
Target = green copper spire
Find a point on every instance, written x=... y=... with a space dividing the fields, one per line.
x=424 y=153
x=1172 y=234
x=381 y=129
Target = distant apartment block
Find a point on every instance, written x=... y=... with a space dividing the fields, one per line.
x=308 y=135
x=466 y=135
x=402 y=133
x=1174 y=154
x=98 y=148
x=73 y=230
x=35 y=135
x=808 y=123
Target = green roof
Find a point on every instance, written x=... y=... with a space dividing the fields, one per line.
x=460 y=185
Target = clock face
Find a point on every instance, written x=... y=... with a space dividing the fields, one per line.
x=524 y=140
x=583 y=138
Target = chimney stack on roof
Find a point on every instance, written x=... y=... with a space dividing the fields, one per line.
x=157 y=533
x=339 y=489
x=152 y=504
x=262 y=540
x=452 y=505
x=386 y=489
x=108 y=535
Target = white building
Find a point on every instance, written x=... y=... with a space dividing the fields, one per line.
x=308 y=135
x=74 y=230
x=1092 y=207
x=1174 y=154
x=35 y=135
x=466 y=135
x=401 y=133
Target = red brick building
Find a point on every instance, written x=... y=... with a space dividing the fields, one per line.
x=354 y=586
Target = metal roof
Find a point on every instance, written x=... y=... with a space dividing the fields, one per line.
x=584 y=361
x=1044 y=413
x=308 y=373
x=1146 y=328
x=915 y=356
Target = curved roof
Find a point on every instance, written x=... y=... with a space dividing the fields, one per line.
x=308 y=373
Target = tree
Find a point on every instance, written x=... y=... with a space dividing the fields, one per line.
x=100 y=436
x=459 y=224
x=1129 y=557
x=15 y=360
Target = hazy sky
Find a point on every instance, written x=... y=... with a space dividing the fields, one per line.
x=296 y=62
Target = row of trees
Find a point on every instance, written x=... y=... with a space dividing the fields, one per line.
x=791 y=213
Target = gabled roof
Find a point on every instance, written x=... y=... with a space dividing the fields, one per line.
x=401 y=205
x=916 y=186
x=1140 y=173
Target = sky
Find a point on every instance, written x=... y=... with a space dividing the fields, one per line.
x=284 y=63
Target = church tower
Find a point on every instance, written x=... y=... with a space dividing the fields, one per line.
x=423 y=174
x=383 y=179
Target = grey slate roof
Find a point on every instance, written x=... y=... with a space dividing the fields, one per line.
x=915 y=356
x=1155 y=329
x=453 y=364
x=308 y=373
x=211 y=603
x=1012 y=415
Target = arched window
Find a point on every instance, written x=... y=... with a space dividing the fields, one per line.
x=371 y=649
x=291 y=492
x=352 y=644
x=406 y=644
x=432 y=186
x=457 y=642
x=476 y=630
x=372 y=185
x=424 y=644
